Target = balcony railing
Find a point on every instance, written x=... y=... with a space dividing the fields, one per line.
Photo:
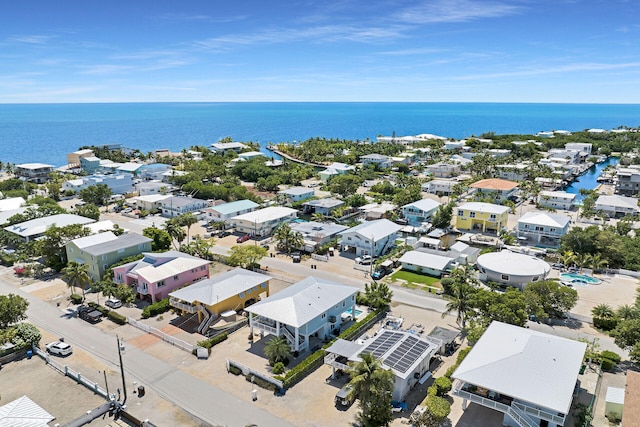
x=189 y=308
x=331 y=360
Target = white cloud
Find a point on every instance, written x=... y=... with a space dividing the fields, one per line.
x=32 y=39
x=442 y=11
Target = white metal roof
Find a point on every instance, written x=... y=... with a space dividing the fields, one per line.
x=130 y=167
x=271 y=213
x=303 y=301
x=297 y=191
x=11 y=203
x=511 y=263
x=618 y=201
x=40 y=225
x=155 y=273
x=424 y=205
x=378 y=229
x=95 y=239
x=220 y=287
x=558 y=194
x=426 y=260
x=538 y=368
x=100 y=226
x=33 y=166
x=484 y=207
x=24 y=412
x=615 y=395
x=545 y=219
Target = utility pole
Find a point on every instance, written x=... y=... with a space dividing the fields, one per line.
x=124 y=384
x=372 y=253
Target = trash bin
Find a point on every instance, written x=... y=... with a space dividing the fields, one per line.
x=140 y=390
x=29 y=354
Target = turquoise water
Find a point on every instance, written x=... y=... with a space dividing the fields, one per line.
x=47 y=132
x=588 y=180
x=579 y=279
x=358 y=312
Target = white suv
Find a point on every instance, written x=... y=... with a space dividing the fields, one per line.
x=113 y=303
x=59 y=348
x=366 y=260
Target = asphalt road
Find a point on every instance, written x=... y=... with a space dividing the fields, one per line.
x=197 y=397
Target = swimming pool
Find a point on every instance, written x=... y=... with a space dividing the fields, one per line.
x=358 y=312
x=579 y=279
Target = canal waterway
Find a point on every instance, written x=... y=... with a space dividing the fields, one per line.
x=589 y=179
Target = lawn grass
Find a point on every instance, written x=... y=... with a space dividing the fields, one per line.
x=415 y=278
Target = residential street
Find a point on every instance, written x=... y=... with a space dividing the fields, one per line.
x=198 y=397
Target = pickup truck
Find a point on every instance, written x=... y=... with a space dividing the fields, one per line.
x=89 y=314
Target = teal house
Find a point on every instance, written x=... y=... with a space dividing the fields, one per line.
x=102 y=250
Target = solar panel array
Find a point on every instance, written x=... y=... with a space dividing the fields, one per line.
x=383 y=343
x=403 y=357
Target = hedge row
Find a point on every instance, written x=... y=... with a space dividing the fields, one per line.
x=112 y=315
x=210 y=342
x=156 y=308
x=463 y=353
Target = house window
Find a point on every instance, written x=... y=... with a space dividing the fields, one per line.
x=241 y=295
x=203 y=268
x=472 y=214
x=161 y=283
x=535 y=279
x=264 y=285
x=492 y=217
x=460 y=213
x=105 y=266
x=344 y=303
x=505 y=277
x=175 y=277
x=324 y=315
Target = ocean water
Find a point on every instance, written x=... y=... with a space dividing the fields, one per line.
x=47 y=132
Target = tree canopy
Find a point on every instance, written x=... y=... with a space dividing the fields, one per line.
x=13 y=309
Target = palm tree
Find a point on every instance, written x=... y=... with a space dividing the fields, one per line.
x=372 y=385
x=317 y=217
x=175 y=231
x=277 y=350
x=568 y=258
x=627 y=312
x=460 y=303
x=582 y=260
x=76 y=275
x=603 y=311
x=288 y=240
x=187 y=220
x=596 y=262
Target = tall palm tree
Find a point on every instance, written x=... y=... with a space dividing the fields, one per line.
x=596 y=262
x=317 y=217
x=288 y=240
x=277 y=349
x=568 y=258
x=175 y=231
x=460 y=303
x=187 y=220
x=76 y=275
x=372 y=385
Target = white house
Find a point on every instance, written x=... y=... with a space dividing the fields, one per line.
x=305 y=313
x=317 y=233
x=542 y=228
x=371 y=238
x=376 y=210
x=443 y=170
x=262 y=222
x=376 y=159
x=118 y=184
x=247 y=155
x=628 y=181
x=178 y=205
x=226 y=211
x=510 y=268
x=420 y=211
x=223 y=147
x=151 y=202
x=130 y=167
x=617 y=206
x=297 y=194
x=529 y=376
x=557 y=199
x=152 y=187
x=153 y=171
x=31 y=230
x=426 y=262
x=407 y=355
x=34 y=172
x=439 y=187
x=335 y=169
x=11 y=203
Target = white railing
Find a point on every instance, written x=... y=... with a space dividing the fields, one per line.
x=330 y=360
x=207 y=316
x=521 y=418
x=189 y=308
x=323 y=258
x=266 y=328
x=164 y=337
x=204 y=326
x=539 y=413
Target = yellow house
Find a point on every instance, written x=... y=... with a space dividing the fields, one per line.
x=227 y=292
x=482 y=217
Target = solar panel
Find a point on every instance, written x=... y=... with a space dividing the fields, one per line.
x=403 y=357
x=383 y=343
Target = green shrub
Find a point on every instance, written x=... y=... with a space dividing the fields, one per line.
x=605 y=324
x=610 y=355
x=116 y=317
x=76 y=299
x=278 y=368
x=260 y=382
x=443 y=386
x=235 y=370
x=7 y=260
x=607 y=364
x=432 y=390
x=104 y=310
x=156 y=308
x=210 y=342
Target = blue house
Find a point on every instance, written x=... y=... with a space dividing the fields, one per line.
x=420 y=211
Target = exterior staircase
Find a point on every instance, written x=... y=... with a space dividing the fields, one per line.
x=207 y=321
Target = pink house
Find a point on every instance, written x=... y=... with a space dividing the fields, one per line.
x=158 y=274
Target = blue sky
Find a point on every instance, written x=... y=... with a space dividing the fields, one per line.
x=307 y=50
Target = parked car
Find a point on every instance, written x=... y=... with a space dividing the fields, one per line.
x=366 y=260
x=379 y=274
x=344 y=398
x=242 y=239
x=113 y=303
x=89 y=314
x=59 y=348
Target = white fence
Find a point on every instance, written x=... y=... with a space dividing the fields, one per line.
x=323 y=258
x=66 y=370
x=164 y=337
x=362 y=267
x=247 y=370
